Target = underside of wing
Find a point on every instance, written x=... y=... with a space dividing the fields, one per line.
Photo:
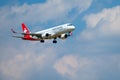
x=31 y=34
x=34 y=34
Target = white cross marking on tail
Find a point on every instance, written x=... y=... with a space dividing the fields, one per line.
x=25 y=30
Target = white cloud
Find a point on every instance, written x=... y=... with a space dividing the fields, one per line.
x=51 y=10
x=20 y=63
x=73 y=67
x=67 y=65
x=105 y=23
x=76 y=67
x=16 y=67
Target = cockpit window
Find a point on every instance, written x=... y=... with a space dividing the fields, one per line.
x=70 y=25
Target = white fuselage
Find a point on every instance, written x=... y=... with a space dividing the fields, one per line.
x=55 y=31
x=61 y=31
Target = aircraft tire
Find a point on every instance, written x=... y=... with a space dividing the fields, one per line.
x=54 y=41
x=42 y=41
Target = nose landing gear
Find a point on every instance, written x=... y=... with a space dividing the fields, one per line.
x=54 y=41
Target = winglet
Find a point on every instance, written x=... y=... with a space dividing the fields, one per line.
x=13 y=31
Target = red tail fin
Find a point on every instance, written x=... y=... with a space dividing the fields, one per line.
x=25 y=30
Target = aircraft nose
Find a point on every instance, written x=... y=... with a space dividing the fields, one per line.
x=73 y=27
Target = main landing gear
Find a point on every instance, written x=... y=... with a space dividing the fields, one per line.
x=42 y=41
x=54 y=41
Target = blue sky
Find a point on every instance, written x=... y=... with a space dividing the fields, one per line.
x=92 y=53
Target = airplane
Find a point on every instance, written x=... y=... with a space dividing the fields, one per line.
x=61 y=31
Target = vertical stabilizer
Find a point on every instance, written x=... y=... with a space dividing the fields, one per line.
x=26 y=31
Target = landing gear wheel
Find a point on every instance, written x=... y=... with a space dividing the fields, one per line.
x=54 y=41
x=69 y=33
x=42 y=41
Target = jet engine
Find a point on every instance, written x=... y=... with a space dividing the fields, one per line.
x=46 y=35
x=63 y=36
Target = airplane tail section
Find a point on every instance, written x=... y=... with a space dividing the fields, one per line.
x=26 y=31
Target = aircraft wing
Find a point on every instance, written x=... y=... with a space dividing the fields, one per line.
x=32 y=34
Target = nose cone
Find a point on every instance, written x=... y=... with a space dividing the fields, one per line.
x=73 y=27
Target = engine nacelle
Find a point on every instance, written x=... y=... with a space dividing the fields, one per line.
x=63 y=36
x=46 y=35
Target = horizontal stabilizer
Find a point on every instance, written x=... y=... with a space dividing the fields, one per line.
x=18 y=36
